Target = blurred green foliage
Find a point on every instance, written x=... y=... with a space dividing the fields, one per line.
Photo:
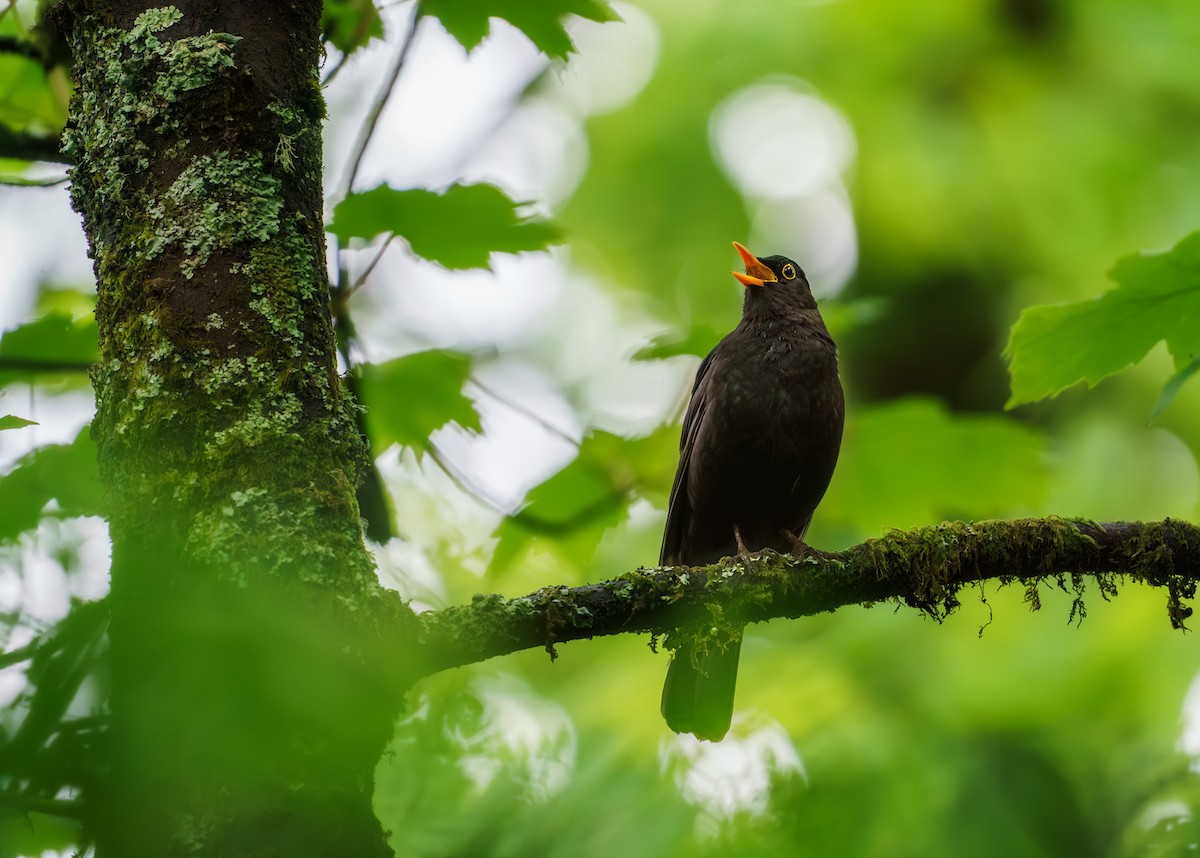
x=1006 y=152
x=30 y=99
x=910 y=462
x=570 y=513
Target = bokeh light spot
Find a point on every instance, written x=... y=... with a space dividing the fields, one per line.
x=775 y=140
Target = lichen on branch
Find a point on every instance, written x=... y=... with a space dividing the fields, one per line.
x=925 y=568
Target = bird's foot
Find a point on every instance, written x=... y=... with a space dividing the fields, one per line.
x=801 y=550
x=742 y=550
x=744 y=554
x=749 y=558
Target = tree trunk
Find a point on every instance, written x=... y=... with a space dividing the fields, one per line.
x=254 y=675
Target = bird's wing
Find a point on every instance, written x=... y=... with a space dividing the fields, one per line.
x=678 y=508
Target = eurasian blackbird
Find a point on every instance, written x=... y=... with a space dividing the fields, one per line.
x=760 y=440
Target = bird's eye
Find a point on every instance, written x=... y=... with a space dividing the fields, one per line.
x=789 y=272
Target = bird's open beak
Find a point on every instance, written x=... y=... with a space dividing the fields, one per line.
x=756 y=273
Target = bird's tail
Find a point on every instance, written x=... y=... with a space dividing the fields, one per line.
x=698 y=693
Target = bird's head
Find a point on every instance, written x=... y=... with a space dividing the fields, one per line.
x=776 y=277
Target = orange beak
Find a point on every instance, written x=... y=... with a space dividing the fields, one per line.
x=756 y=274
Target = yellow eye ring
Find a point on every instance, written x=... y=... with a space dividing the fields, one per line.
x=789 y=272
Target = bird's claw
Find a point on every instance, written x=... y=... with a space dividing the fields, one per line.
x=802 y=551
x=743 y=552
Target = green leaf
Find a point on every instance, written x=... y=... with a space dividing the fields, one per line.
x=49 y=348
x=468 y=21
x=410 y=398
x=11 y=421
x=62 y=472
x=1157 y=298
x=843 y=316
x=460 y=228
x=911 y=462
x=571 y=510
x=349 y=24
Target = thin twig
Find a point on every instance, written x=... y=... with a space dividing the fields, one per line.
x=21 y=47
x=343 y=294
x=464 y=482
x=381 y=100
x=22 y=182
x=362 y=278
x=337 y=67
x=29 y=146
x=487 y=135
x=525 y=411
x=532 y=523
x=342 y=287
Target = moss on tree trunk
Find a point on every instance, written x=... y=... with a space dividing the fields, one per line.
x=249 y=634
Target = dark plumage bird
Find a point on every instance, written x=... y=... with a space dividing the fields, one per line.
x=760 y=441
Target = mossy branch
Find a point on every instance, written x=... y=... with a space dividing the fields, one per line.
x=21 y=47
x=28 y=146
x=926 y=568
